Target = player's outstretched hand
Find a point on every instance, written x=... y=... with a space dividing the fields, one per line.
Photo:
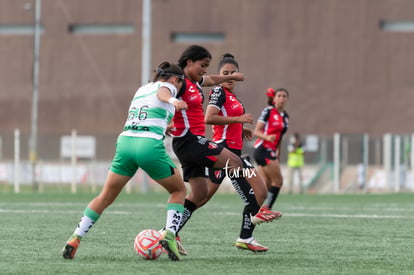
x=180 y=105
x=238 y=76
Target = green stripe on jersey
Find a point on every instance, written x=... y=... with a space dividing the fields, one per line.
x=148 y=94
x=156 y=112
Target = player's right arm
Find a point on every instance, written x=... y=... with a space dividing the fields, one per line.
x=164 y=94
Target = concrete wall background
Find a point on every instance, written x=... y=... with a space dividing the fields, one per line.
x=344 y=73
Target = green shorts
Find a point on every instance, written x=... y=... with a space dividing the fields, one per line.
x=140 y=152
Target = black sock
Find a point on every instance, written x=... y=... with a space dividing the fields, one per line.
x=272 y=196
x=189 y=208
x=245 y=191
x=247 y=226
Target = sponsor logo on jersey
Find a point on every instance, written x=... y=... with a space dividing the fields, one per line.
x=191 y=89
x=216 y=94
x=192 y=98
x=235 y=106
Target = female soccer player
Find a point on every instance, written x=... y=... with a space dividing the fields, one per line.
x=140 y=145
x=270 y=128
x=227 y=114
x=194 y=151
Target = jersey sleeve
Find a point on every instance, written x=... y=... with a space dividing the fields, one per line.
x=217 y=97
x=264 y=116
x=171 y=87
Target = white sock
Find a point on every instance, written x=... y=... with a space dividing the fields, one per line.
x=84 y=225
x=173 y=220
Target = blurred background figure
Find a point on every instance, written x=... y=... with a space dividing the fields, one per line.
x=269 y=130
x=296 y=160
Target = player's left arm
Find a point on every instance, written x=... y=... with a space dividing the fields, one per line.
x=212 y=117
x=211 y=80
x=247 y=134
x=259 y=132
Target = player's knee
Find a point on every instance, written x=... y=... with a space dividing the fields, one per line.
x=280 y=181
x=235 y=162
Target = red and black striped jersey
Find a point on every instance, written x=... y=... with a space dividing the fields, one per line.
x=275 y=124
x=229 y=106
x=193 y=118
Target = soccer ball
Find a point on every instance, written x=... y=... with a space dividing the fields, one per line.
x=147 y=244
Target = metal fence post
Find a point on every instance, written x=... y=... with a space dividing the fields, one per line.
x=337 y=162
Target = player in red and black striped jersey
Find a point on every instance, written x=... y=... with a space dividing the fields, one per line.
x=227 y=114
x=270 y=128
x=193 y=117
x=194 y=151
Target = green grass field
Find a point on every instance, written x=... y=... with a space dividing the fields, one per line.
x=318 y=234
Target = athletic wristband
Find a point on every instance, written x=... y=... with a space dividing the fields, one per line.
x=171 y=100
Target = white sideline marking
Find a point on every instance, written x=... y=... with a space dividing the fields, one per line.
x=285 y=215
x=375 y=208
x=24 y=211
x=372 y=208
x=323 y=215
x=82 y=204
x=360 y=216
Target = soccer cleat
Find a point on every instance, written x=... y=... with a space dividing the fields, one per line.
x=250 y=244
x=180 y=246
x=69 y=250
x=265 y=215
x=170 y=245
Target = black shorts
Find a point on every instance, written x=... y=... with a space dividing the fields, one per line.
x=195 y=154
x=263 y=155
x=217 y=175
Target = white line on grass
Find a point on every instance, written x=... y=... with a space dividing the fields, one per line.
x=25 y=211
x=68 y=204
x=285 y=215
x=372 y=208
x=383 y=207
x=353 y=216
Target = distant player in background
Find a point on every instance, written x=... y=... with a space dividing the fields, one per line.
x=227 y=114
x=194 y=151
x=270 y=128
x=141 y=145
x=295 y=162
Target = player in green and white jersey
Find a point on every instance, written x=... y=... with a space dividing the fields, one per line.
x=141 y=145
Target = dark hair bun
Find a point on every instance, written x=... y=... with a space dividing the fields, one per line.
x=227 y=55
